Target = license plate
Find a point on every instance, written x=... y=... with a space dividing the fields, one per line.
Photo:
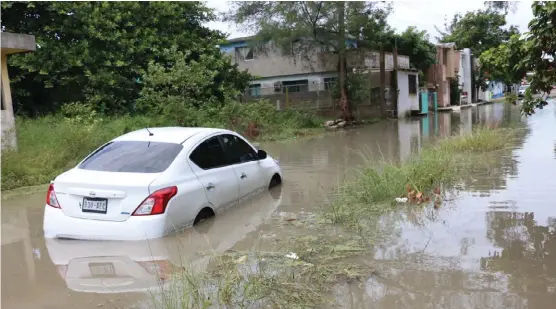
x=98 y=205
x=102 y=269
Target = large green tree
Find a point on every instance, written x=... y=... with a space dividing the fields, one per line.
x=503 y=6
x=540 y=54
x=479 y=30
x=98 y=52
x=502 y=62
x=413 y=43
x=310 y=25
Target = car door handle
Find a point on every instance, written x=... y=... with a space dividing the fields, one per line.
x=210 y=186
x=243 y=176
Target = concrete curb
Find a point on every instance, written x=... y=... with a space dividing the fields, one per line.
x=460 y=107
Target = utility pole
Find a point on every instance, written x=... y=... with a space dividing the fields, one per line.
x=382 y=82
x=395 y=77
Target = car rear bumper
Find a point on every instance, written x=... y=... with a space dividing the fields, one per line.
x=58 y=225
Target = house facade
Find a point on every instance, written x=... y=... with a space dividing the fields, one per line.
x=307 y=76
x=301 y=72
x=465 y=77
x=444 y=71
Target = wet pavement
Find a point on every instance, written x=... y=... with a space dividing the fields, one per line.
x=493 y=247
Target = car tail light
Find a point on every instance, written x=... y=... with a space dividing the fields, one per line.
x=156 y=203
x=51 y=199
x=161 y=268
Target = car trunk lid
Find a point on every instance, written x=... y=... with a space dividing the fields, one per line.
x=98 y=195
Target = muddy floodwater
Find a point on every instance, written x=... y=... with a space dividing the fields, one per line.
x=492 y=247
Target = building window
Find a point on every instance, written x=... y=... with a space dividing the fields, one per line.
x=412 y=83
x=295 y=86
x=445 y=56
x=250 y=55
x=255 y=90
x=247 y=53
x=330 y=83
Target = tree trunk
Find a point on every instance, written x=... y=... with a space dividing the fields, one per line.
x=394 y=85
x=344 y=102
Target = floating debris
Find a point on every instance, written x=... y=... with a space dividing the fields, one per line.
x=292 y=256
x=242 y=259
x=401 y=199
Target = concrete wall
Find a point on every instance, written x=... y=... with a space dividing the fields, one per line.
x=494 y=90
x=10 y=43
x=9 y=139
x=464 y=74
x=406 y=101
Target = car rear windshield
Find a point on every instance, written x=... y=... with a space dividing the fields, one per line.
x=132 y=157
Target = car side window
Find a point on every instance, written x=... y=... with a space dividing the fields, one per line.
x=237 y=150
x=209 y=154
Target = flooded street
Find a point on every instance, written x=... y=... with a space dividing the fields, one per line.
x=492 y=247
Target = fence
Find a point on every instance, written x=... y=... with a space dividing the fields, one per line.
x=363 y=92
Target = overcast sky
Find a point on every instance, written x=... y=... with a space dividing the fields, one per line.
x=422 y=14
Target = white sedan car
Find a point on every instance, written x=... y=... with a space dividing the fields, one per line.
x=151 y=182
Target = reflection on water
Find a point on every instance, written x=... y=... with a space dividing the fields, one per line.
x=493 y=247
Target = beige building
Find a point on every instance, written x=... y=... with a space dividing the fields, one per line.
x=446 y=68
x=11 y=43
x=302 y=70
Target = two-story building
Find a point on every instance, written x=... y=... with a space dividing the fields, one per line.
x=309 y=74
x=446 y=69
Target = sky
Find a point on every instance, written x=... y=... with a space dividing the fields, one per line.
x=422 y=14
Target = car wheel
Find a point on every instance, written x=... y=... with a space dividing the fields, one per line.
x=275 y=181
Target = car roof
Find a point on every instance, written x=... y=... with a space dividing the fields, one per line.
x=175 y=135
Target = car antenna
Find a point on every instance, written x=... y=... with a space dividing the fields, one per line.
x=150 y=133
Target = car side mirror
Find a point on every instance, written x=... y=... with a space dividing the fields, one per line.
x=261 y=154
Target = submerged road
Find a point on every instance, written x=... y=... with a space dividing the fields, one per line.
x=494 y=247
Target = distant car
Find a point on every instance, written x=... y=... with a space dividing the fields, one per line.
x=148 y=183
x=521 y=90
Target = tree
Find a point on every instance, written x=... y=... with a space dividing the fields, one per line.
x=98 y=52
x=540 y=54
x=503 y=6
x=309 y=25
x=177 y=88
x=502 y=62
x=480 y=30
x=415 y=44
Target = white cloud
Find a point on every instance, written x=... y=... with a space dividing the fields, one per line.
x=422 y=14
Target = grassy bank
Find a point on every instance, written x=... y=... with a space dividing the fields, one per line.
x=422 y=179
x=49 y=145
x=333 y=247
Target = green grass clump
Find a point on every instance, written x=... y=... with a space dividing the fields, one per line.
x=49 y=145
x=268 y=278
x=440 y=166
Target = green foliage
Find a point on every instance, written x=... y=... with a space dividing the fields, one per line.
x=49 y=145
x=540 y=54
x=479 y=30
x=311 y=24
x=178 y=89
x=502 y=62
x=503 y=6
x=412 y=42
x=511 y=98
x=99 y=52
